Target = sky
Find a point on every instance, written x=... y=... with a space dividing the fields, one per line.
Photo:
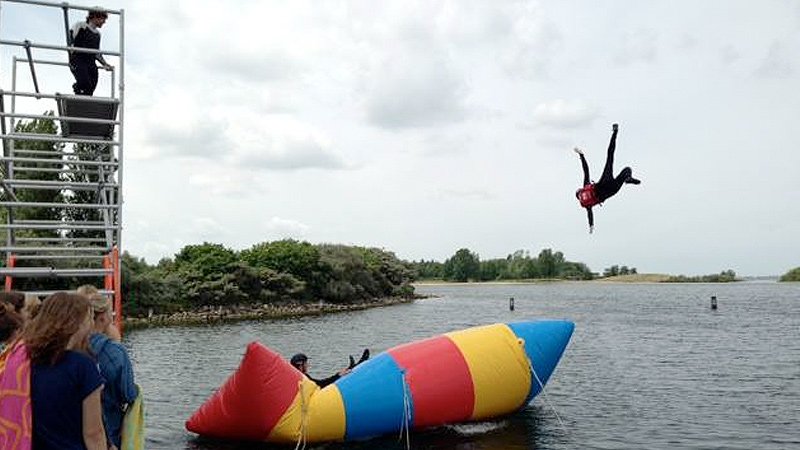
x=422 y=127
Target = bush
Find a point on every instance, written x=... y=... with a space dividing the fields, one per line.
x=792 y=275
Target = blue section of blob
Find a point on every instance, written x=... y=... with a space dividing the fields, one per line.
x=545 y=342
x=373 y=397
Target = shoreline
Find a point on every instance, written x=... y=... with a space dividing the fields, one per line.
x=645 y=278
x=239 y=313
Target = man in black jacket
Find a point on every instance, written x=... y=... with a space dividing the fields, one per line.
x=300 y=362
x=87 y=35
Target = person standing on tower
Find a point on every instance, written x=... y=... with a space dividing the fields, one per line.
x=86 y=34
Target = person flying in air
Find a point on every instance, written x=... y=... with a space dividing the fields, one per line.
x=592 y=194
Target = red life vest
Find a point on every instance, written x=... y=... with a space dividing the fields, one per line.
x=587 y=196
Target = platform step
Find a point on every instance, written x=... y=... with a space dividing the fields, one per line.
x=79 y=107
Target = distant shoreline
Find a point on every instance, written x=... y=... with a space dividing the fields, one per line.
x=632 y=278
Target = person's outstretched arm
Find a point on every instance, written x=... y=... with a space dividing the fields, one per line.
x=584 y=165
x=590 y=216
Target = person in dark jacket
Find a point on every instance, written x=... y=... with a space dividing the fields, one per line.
x=300 y=362
x=87 y=35
x=592 y=194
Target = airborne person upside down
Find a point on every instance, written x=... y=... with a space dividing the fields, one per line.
x=595 y=193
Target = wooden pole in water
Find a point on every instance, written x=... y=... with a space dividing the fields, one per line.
x=713 y=302
x=511 y=304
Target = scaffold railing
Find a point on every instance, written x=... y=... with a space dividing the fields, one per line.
x=61 y=167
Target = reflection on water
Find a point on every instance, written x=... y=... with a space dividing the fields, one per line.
x=649 y=366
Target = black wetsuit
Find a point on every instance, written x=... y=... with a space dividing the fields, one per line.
x=325 y=381
x=608 y=184
x=81 y=64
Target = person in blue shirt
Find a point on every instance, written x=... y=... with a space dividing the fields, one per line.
x=65 y=381
x=115 y=366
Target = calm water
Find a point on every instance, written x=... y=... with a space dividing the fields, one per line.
x=649 y=366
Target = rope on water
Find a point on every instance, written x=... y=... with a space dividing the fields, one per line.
x=546 y=400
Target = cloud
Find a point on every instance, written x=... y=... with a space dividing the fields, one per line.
x=249 y=64
x=281 y=144
x=468 y=194
x=274 y=142
x=559 y=141
x=415 y=91
x=564 y=114
x=687 y=42
x=203 y=137
x=233 y=183
x=637 y=46
x=777 y=63
x=533 y=43
x=729 y=54
x=286 y=228
x=205 y=227
x=438 y=144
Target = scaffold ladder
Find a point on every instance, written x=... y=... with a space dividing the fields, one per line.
x=61 y=190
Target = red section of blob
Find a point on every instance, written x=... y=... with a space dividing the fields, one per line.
x=253 y=399
x=438 y=377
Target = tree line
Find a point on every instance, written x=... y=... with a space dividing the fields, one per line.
x=792 y=275
x=466 y=265
x=269 y=272
x=726 y=276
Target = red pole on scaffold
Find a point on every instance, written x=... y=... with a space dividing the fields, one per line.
x=117 y=288
x=12 y=261
x=108 y=279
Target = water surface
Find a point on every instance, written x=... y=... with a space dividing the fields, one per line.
x=649 y=366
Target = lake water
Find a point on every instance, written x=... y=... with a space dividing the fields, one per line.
x=649 y=365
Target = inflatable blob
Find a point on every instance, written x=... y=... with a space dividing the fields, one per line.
x=468 y=375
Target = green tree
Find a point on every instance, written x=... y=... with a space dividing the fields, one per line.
x=299 y=259
x=205 y=271
x=146 y=288
x=427 y=270
x=50 y=151
x=549 y=262
x=611 y=271
x=575 y=271
x=792 y=275
x=462 y=266
x=88 y=174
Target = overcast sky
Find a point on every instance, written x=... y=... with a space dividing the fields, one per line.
x=425 y=126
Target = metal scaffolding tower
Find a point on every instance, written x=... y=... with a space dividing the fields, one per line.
x=61 y=191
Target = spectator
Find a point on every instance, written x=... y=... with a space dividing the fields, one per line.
x=115 y=366
x=65 y=383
